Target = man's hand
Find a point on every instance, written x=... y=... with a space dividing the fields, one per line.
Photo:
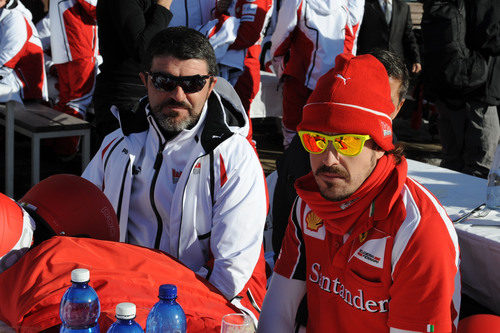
x=416 y=68
x=164 y=3
x=45 y=5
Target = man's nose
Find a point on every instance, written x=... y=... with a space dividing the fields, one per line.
x=178 y=94
x=330 y=156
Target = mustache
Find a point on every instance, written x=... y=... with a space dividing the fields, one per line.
x=332 y=169
x=173 y=103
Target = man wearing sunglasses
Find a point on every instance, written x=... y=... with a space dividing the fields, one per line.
x=374 y=250
x=182 y=176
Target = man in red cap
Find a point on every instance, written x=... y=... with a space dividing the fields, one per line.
x=374 y=250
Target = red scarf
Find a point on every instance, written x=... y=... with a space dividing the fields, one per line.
x=384 y=184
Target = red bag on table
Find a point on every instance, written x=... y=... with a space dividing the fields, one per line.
x=32 y=288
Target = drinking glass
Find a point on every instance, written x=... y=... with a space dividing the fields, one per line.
x=237 y=323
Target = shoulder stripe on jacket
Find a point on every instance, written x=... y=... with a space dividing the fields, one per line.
x=111 y=151
x=299 y=270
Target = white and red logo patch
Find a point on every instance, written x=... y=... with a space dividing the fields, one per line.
x=372 y=252
x=197 y=169
x=176 y=174
x=386 y=128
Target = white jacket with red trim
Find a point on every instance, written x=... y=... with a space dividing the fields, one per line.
x=219 y=205
x=21 y=56
x=73 y=27
x=315 y=32
x=233 y=35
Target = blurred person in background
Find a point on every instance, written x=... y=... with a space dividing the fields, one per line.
x=387 y=25
x=462 y=50
x=125 y=30
x=22 y=72
x=74 y=50
x=240 y=64
x=309 y=34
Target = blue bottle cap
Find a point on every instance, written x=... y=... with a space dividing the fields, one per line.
x=168 y=291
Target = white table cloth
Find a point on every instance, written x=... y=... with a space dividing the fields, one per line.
x=479 y=236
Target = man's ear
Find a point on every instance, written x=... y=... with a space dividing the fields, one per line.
x=143 y=79
x=400 y=105
x=212 y=82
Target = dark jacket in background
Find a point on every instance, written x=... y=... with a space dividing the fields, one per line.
x=397 y=36
x=125 y=28
x=483 y=35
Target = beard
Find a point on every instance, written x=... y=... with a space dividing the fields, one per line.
x=332 y=192
x=326 y=191
x=168 y=119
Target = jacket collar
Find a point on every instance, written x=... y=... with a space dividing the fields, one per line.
x=224 y=117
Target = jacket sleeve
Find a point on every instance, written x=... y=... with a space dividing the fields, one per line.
x=355 y=10
x=483 y=28
x=238 y=216
x=94 y=172
x=288 y=17
x=280 y=305
x=409 y=40
x=13 y=38
x=89 y=6
x=138 y=28
x=252 y=14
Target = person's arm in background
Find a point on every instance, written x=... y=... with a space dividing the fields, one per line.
x=410 y=42
x=89 y=6
x=281 y=39
x=136 y=27
x=253 y=15
x=13 y=39
x=355 y=9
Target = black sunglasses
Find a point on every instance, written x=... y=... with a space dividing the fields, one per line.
x=189 y=84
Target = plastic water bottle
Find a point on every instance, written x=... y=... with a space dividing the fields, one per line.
x=125 y=323
x=493 y=190
x=80 y=308
x=166 y=316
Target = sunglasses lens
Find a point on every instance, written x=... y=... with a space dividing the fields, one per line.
x=162 y=82
x=349 y=145
x=193 y=85
x=313 y=143
x=168 y=83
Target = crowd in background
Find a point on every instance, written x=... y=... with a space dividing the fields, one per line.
x=94 y=51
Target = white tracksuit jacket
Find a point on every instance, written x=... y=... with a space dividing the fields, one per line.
x=73 y=26
x=315 y=32
x=21 y=57
x=219 y=205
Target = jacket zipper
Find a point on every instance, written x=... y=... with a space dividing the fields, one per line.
x=157 y=167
